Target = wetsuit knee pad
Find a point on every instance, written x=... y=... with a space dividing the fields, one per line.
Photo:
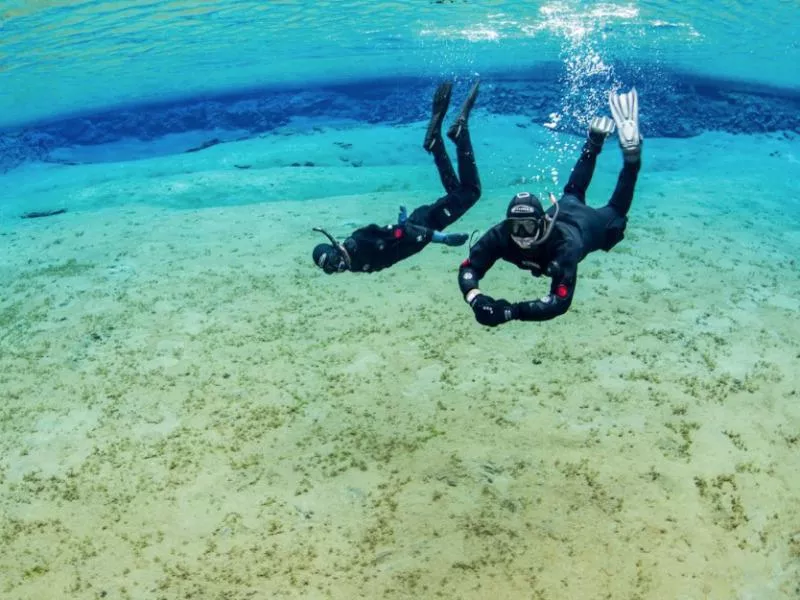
x=615 y=232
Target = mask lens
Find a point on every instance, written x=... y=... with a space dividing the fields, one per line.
x=331 y=266
x=524 y=227
x=331 y=262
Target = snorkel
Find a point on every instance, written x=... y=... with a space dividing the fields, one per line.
x=472 y=237
x=336 y=244
x=550 y=220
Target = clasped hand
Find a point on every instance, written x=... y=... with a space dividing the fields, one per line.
x=491 y=312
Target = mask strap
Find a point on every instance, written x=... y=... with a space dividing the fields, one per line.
x=336 y=244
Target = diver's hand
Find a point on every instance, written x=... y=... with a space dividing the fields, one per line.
x=491 y=312
x=402 y=217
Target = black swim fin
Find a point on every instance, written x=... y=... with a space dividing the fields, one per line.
x=441 y=101
x=461 y=121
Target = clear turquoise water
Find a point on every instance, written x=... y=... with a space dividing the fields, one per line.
x=189 y=408
x=60 y=57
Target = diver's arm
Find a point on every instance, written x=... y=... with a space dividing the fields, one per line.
x=557 y=302
x=484 y=254
x=482 y=257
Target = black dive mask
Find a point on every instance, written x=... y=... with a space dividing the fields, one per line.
x=531 y=226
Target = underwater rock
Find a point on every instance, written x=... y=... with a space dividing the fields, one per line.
x=43 y=213
x=203 y=146
x=672 y=105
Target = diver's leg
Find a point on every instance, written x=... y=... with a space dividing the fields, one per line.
x=434 y=143
x=625 y=110
x=615 y=212
x=467 y=167
x=449 y=208
x=582 y=173
x=454 y=132
x=439 y=215
x=622 y=197
x=452 y=207
x=443 y=164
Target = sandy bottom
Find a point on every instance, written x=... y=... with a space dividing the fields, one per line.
x=191 y=410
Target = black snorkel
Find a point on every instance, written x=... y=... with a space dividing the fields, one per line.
x=472 y=237
x=550 y=220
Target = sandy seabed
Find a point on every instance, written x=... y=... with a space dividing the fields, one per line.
x=189 y=409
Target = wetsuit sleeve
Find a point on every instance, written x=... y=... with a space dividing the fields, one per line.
x=482 y=257
x=558 y=301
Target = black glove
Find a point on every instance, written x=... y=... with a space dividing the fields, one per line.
x=491 y=312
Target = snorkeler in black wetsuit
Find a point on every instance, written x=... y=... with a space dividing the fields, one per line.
x=373 y=248
x=552 y=243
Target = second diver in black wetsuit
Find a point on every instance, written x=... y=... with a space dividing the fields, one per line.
x=374 y=247
x=552 y=243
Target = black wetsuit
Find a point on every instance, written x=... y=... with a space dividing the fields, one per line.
x=578 y=230
x=373 y=248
